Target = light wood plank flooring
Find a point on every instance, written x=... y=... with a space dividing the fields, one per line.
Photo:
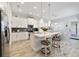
x=22 y=49
x=69 y=48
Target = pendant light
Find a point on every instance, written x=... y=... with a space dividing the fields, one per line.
x=41 y=10
x=49 y=24
x=41 y=20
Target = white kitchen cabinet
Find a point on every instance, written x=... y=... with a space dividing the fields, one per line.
x=19 y=22
x=13 y=37
x=32 y=21
x=19 y=36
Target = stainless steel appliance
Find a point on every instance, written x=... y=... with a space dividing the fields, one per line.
x=4 y=41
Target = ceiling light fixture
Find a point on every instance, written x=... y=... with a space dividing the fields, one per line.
x=37 y=15
x=20 y=10
x=35 y=7
x=22 y=2
x=30 y=13
x=55 y=23
x=43 y=11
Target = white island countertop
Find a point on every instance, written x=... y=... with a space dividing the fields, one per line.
x=37 y=37
x=45 y=34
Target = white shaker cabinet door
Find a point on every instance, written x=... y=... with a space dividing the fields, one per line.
x=26 y=36
x=13 y=37
x=21 y=36
x=17 y=36
x=78 y=29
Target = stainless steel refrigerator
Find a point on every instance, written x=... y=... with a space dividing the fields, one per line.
x=4 y=41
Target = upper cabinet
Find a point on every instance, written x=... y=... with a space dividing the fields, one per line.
x=33 y=22
x=19 y=22
x=23 y=22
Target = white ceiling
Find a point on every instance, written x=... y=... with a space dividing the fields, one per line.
x=34 y=9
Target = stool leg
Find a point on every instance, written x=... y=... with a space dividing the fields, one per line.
x=45 y=51
x=51 y=46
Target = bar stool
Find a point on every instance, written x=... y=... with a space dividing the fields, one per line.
x=56 y=41
x=45 y=47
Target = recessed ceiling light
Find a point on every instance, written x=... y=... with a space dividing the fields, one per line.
x=22 y=2
x=55 y=23
x=35 y=7
x=37 y=15
x=41 y=19
x=43 y=11
x=30 y=12
x=20 y=10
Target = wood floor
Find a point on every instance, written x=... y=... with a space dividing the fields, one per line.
x=22 y=49
x=69 y=48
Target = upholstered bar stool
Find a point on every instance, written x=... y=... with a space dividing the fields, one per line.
x=45 y=47
x=56 y=41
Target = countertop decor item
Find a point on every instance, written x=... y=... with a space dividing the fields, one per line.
x=44 y=29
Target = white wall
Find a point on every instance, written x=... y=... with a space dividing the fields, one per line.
x=60 y=25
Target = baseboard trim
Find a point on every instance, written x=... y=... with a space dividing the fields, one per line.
x=19 y=40
x=75 y=38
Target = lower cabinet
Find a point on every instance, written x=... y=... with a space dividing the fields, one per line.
x=19 y=36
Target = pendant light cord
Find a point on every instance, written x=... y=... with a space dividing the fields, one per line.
x=41 y=9
x=49 y=12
